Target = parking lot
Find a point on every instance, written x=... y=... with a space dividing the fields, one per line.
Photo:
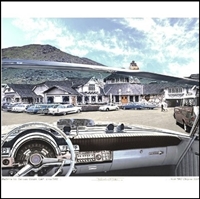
x=154 y=118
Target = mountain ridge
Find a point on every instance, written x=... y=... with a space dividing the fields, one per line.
x=41 y=53
x=44 y=53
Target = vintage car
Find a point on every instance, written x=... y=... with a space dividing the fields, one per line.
x=83 y=147
x=132 y=105
x=36 y=108
x=138 y=105
x=64 y=109
x=188 y=110
x=9 y=107
x=4 y=105
x=148 y=105
x=109 y=107
x=19 y=108
x=45 y=110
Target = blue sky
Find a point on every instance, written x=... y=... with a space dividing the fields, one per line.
x=159 y=41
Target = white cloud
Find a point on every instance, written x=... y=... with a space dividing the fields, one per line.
x=169 y=44
x=38 y=30
x=183 y=70
x=146 y=41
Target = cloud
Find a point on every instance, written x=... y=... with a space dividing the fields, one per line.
x=39 y=30
x=165 y=45
x=174 y=43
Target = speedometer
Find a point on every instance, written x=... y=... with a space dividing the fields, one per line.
x=32 y=147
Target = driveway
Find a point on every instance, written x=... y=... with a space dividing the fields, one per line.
x=154 y=118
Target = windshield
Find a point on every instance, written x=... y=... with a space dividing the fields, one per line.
x=140 y=102
x=133 y=71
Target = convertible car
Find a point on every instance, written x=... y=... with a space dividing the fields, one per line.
x=84 y=147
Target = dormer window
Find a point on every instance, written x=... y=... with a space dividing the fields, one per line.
x=91 y=87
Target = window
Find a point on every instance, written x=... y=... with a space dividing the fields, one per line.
x=175 y=90
x=188 y=102
x=93 y=99
x=86 y=98
x=79 y=99
x=91 y=87
x=131 y=98
x=65 y=98
x=137 y=98
x=100 y=99
x=117 y=99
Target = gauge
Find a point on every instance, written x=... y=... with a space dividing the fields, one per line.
x=32 y=147
x=32 y=150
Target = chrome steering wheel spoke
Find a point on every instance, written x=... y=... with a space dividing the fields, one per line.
x=24 y=170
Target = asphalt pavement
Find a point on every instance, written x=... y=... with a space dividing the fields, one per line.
x=150 y=118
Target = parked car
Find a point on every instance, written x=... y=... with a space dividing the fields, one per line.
x=148 y=105
x=186 y=113
x=109 y=107
x=64 y=109
x=36 y=108
x=4 y=105
x=132 y=105
x=20 y=108
x=10 y=106
x=45 y=110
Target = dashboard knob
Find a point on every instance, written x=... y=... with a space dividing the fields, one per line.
x=5 y=162
x=12 y=172
x=98 y=157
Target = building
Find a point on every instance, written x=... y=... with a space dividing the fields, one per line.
x=22 y=93
x=120 y=89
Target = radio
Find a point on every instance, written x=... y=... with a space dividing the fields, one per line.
x=93 y=156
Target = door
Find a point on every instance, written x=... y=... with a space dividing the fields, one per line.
x=188 y=164
x=124 y=100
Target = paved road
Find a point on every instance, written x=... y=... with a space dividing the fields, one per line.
x=154 y=118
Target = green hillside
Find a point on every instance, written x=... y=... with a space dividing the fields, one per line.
x=41 y=53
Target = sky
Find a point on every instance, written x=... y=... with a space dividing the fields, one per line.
x=166 y=45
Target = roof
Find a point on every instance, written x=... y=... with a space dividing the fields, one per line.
x=194 y=76
x=115 y=76
x=64 y=88
x=123 y=89
x=150 y=89
x=57 y=83
x=24 y=90
x=76 y=82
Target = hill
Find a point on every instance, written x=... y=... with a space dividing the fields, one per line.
x=42 y=53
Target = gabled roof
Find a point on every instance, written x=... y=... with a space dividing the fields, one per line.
x=23 y=90
x=64 y=88
x=58 y=83
x=115 y=76
x=123 y=89
x=76 y=82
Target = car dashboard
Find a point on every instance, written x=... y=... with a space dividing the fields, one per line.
x=96 y=149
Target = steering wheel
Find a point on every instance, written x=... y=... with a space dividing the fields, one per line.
x=36 y=161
